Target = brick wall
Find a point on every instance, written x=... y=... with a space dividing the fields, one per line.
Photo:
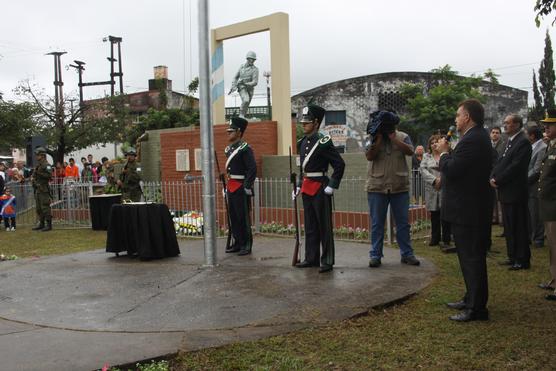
x=261 y=136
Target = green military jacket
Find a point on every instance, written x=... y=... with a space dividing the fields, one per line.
x=547 y=185
x=41 y=176
x=131 y=187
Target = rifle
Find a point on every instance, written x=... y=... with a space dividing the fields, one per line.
x=293 y=180
x=228 y=221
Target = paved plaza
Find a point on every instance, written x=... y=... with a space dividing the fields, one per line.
x=79 y=311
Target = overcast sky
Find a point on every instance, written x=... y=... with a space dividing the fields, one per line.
x=329 y=40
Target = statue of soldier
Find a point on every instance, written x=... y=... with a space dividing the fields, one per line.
x=129 y=182
x=40 y=178
x=245 y=80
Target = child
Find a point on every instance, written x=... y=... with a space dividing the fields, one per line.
x=7 y=209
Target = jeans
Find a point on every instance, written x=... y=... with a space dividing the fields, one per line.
x=378 y=206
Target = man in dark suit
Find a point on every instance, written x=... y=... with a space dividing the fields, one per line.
x=466 y=194
x=510 y=178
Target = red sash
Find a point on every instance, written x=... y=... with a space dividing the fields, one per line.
x=310 y=187
x=233 y=185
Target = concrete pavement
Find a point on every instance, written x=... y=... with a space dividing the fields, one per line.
x=79 y=311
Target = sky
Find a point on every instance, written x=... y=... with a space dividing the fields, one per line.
x=329 y=40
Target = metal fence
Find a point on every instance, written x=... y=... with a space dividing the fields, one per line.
x=272 y=209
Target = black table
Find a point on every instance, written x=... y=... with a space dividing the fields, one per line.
x=143 y=229
x=99 y=206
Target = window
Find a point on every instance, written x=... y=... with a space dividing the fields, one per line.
x=182 y=160
x=335 y=118
x=198 y=159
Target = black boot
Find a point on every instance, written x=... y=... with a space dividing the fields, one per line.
x=40 y=226
x=48 y=226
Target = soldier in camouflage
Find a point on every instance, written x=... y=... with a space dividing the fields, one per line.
x=41 y=176
x=130 y=178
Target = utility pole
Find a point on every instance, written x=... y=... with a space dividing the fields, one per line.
x=58 y=90
x=79 y=66
x=207 y=138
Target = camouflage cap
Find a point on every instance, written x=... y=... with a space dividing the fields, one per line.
x=40 y=151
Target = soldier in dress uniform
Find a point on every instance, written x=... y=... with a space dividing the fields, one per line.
x=130 y=178
x=547 y=198
x=41 y=176
x=317 y=152
x=242 y=170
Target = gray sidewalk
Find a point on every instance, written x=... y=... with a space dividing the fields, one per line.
x=77 y=312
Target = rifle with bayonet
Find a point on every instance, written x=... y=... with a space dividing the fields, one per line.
x=293 y=180
x=224 y=190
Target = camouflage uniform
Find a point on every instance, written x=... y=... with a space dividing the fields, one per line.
x=131 y=189
x=41 y=176
x=111 y=186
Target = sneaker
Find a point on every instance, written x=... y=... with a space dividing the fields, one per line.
x=7 y=229
x=374 y=263
x=13 y=229
x=410 y=260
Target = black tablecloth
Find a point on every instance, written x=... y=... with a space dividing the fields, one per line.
x=143 y=229
x=99 y=206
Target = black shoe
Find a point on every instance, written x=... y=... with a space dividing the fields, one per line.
x=506 y=262
x=434 y=243
x=546 y=286
x=518 y=267
x=410 y=260
x=305 y=264
x=539 y=245
x=39 y=227
x=470 y=315
x=325 y=268
x=232 y=249
x=551 y=297
x=374 y=263
x=449 y=249
x=458 y=305
x=244 y=252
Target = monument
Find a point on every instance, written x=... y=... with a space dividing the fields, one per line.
x=245 y=80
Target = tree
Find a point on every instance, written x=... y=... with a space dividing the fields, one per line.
x=546 y=75
x=432 y=109
x=491 y=76
x=67 y=128
x=17 y=122
x=544 y=8
x=536 y=112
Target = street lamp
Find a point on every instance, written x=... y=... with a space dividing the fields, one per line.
x=266 y=74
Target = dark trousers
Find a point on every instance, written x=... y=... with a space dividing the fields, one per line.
x=536 y=227
x=8 y=220
x=438 y=226
x=240 y=205
x=516 y=229
x=318 y=228
x=471 y=245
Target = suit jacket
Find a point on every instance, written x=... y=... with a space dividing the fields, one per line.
x=535 y=168
x=466 y=192
x=510 y=172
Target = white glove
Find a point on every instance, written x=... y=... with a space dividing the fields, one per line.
x=329 y=190
x=248 y=192
x=295 y=193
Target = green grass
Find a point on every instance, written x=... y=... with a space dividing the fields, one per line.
x=416 y=334
x=25 y=242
